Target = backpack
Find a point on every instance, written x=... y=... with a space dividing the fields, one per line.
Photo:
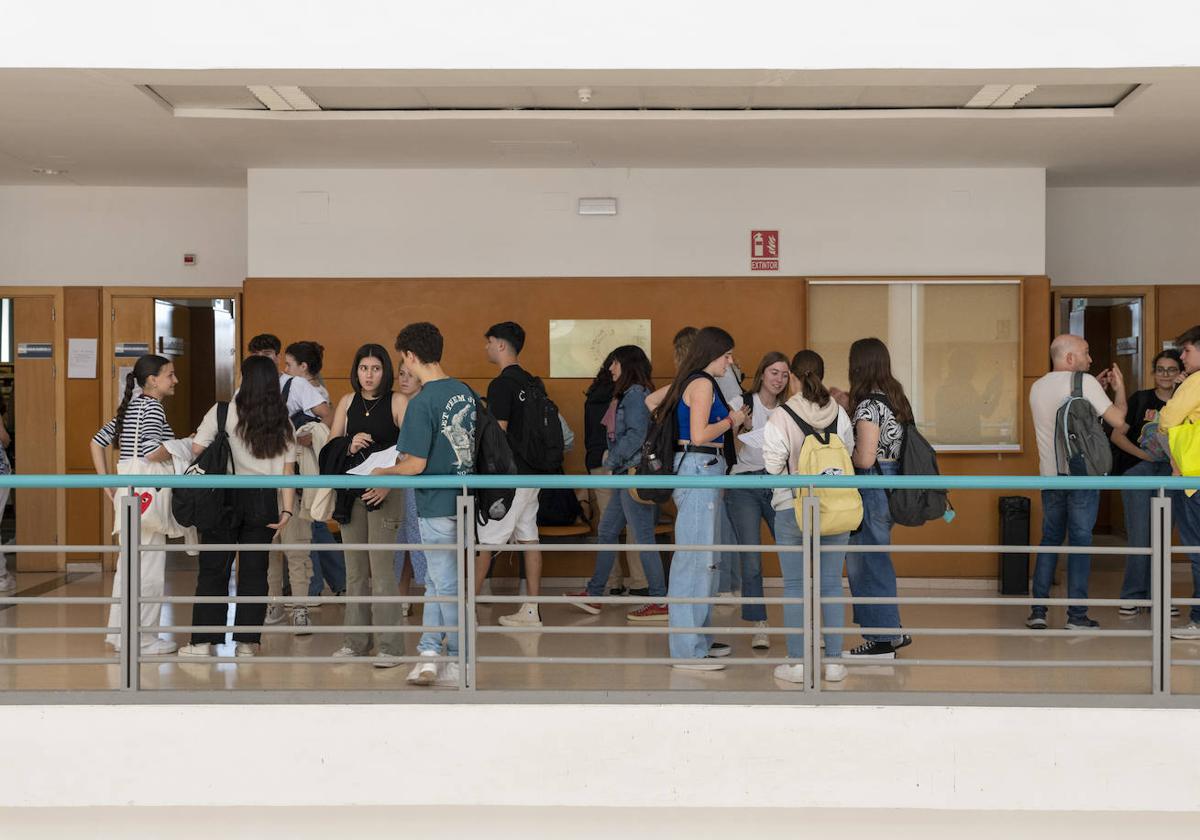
x=210 y=509
x=1080 y=445
x=658 y=458
x=558 y=506
x=300 y=417
x=914 y=506
x=493 y=456
x=824 y=453
x=540 y=442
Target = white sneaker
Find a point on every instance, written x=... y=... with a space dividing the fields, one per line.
x=448 y=676
x=835 y=672
x=159 y=647
x=275 y=614
x=8 y=583
x=708 y=663
x=345 y=651
x=790 y=673
x=197 y=649
x=527 y=616
x=389 y=660
x=300 y=619
x=761 y=641
x=245 y=649
x=424 y=673
x=406 y=609
x=1191 y=631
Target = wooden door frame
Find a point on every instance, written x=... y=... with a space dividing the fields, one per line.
x=1149 y=296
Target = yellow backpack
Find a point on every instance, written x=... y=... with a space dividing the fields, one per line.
x=823 y=453
x=1184 y=440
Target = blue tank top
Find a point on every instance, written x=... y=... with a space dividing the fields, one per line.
x=716 y=413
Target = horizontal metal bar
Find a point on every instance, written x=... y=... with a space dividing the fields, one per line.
x=987 y=549
x=14 y=548
x=57 y=599
x=1016 y=601
x=1181 y=549
x=625 y=599
x=979 y=631
x=724 y=548
x=56 y=631
x=1185 y=602
x=288 y=629
x=584 y=660
x=176 y=548
x=1186 y=663
x=646 y=629
x=991 y=663
x=65 y=661
x=298 y=599
x=289 y=660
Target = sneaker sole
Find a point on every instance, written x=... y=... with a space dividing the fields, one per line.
x=425 y=678
x=720 y=652
x=382 y=665
x=699 y=665
x=508 y=623
x=646 y=618
x=1036 y=625
x=760 y=645
x=867 y=657
x=587 y=608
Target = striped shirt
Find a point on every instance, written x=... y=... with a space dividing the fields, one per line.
x=154 y=428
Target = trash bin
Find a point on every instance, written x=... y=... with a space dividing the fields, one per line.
x=1013 y=578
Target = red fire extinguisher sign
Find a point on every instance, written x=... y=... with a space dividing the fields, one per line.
x=764 y=250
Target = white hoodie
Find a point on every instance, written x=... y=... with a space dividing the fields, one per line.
x=783 y=439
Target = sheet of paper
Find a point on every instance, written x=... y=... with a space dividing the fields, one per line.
x=81 y=358
x=383 y=458
x=753 y=439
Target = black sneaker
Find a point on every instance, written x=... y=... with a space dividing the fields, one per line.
x=719 y=649
x=904 y=642
x=618 y=591
x=1036 y=622
x=644 y=592
x=872 y=650
x=1084 y=623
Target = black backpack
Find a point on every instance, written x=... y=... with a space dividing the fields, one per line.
x=540 y=436
x=912 y=506
x=493 y=456
x=210 y=509
x=558 y=506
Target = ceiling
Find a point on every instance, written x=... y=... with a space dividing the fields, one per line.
x=207 y=127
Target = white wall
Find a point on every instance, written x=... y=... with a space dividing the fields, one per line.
x=428 y=223
x=1123 y=235
x=122 y=236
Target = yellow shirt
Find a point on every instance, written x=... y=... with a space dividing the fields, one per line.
x=1183 y=407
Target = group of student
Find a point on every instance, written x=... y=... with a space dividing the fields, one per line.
x=280 y=423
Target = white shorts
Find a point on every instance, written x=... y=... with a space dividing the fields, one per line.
x=519 y=524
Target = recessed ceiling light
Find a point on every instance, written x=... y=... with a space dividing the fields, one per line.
x=38 y=170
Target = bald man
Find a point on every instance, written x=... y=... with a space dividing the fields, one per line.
x=1069 y=514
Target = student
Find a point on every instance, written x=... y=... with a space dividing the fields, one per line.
x=437 y=438
x=1184 y=407
x=630 y=371
x=704 y=447
x=410 y=565
x=8 y=581
x=783 y=439
x=509 y=401
x=138 y=431
x=262 y=442
x=266 y=344
x=1129 y=458
x=680 y=345
x=1069 y=514
x=372 y=416
x=878 y=408
x=747 y=508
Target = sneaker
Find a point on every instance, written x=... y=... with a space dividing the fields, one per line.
x=197 y=649
x=448 y=676
x=618 y=591
x=1036 y=622
x=1126 y=613
x=705 y=664
x=790 y=673
x=835 y=672
x=717 y=649
x=871 y=650
x=345 y=651
x=8 y=583
x=904 y=642
x=1174 y=612
x=245 y=649
x=648 y=612
x=406 y=610
x=159 y=647
x=1190 y=631
x=275 y=614
x=527 y=616
x=761 y=641
x=388 y=660
x=590 y=609
x=300 y=619
x=643 y=592
x=424 y=673
x=1084 y=623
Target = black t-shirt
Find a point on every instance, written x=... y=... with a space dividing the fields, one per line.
x=1142 y=408
x=504 y=397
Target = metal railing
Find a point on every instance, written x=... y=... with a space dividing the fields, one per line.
x=130 y=660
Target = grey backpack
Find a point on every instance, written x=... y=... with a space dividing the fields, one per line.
x=1080 y=445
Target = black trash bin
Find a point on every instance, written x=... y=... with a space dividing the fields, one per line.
x=1013 y=578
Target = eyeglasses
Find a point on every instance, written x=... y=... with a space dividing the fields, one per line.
x=1161 y=371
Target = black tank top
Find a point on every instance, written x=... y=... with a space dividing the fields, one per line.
x=373 y=416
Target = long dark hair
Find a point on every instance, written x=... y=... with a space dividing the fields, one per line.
x=635 y=368
x=808 y=367
x=774 y=357
x=263 y=422
x=144 y=368
x=601 y=389
x=374 y=351
x=710 y=344
x=871 y=373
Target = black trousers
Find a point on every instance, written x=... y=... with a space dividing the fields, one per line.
x=213 y=579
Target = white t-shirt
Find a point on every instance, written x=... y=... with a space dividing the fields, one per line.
x=243 y=462
x=304 y=396
x=750 y=458
x=1046 y=397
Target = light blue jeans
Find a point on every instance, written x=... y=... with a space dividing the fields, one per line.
x=1137 y=529
x=871 y=574
x=747 y=510
x=441 y=578
x=694 y=574
x=791 y=563
x=620 y=512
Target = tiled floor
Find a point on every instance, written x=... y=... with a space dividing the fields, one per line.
x=357 y=675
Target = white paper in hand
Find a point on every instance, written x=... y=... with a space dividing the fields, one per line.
x=383 y=458
x=754 y=439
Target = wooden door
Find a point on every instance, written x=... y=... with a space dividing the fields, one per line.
x=36 y=427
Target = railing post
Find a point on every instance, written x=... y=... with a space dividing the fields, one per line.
x=467 y=639
x=812 y=593
x=1160 y=593
x=130 y=518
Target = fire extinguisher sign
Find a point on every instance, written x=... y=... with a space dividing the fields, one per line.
x=764 y=250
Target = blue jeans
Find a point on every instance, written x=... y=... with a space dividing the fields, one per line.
x=441 y=578
x=1070 y=514
x=729 y=567
x=620 y=512
x=1137 y=529
x=747 y=510
x=694 y=574
x=1186 y=513
x=328 y=566
x=791 y=563
x=871 y=574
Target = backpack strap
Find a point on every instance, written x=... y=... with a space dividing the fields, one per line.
x=287 y=389
x=715 y=386
x=1077 y=385
x=222 y=423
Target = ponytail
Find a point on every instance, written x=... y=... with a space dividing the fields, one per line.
x=808 y=367
x=123 y=407
x=147 y=366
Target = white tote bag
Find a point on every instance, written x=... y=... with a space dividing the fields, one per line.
x=154 y=502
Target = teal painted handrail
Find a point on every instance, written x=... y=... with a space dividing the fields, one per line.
x=616 y=482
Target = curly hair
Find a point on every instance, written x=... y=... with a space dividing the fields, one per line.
x=263 y=423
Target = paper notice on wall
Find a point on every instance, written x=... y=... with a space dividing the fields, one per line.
x=81 y=358
x=383 y=458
